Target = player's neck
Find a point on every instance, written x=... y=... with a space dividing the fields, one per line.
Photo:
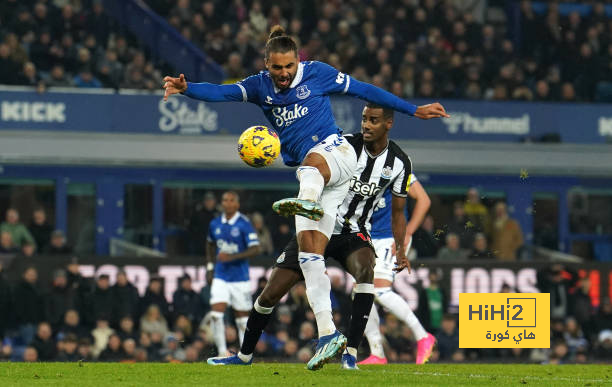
x=229 y=215
x=375 y=148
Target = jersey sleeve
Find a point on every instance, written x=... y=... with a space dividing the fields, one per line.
x=250 y=87
x=379 y=96
x=249 y=235
x=331 y=80
x=243 y=91
x=403 y=181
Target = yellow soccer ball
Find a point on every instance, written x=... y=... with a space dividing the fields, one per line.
x=259 y=146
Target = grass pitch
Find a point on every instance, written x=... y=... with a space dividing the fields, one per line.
x=268 y=374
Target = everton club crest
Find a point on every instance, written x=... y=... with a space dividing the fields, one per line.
x=302 y=92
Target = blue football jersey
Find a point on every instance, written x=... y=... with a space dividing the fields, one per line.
x=301 y=114
x=232 y=236
x=381 y=217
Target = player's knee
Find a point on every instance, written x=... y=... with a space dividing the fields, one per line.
x=267 y=300
x=364 y=273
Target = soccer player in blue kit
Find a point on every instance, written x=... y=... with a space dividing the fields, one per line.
x=294 y=97
x=232 y=240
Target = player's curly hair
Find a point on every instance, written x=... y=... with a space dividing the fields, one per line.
x=279 y=41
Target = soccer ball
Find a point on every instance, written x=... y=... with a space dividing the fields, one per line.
x=258 y=146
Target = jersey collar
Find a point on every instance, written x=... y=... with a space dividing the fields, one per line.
x=296 y=80
x=231 y=221
x=381 y=153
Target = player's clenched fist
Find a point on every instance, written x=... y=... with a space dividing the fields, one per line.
x=174 y=85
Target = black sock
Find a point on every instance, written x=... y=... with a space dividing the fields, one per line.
x=255 y=326
x=362 y=305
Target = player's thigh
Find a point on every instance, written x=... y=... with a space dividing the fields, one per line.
x=360 y=264
x=339 y=156
x=385 y=259
x=280 y=282
x=219 y=292
x=240 y=295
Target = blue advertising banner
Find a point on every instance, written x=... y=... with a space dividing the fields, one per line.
x=149 y=114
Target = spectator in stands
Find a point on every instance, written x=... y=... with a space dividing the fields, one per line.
x=186 y=301
x=459 y=225
x=581 y=308
x=282 y=236
x=126 y=329
x=113 y=351
x=603 y=319
x=28 y=75
x=86 y=79
x=9 y=66
x=6 y=243
x=101 y=303
x=85 y=350
x=124 y=299
x=263 y=234
x=476 y=212
x=29 y=305
x=57 y=244
x=574 y=337
x=604 y=345
x=69 y=351
x=557 y=281
x=448 y=338
x=154 y=295
x=59 y=300
x=18 y=231
x=183 y=326
x=204 y=212
x=57 y=77
x=72 y=326
x=101 y=334
x=40 y=51
x=43 y=342
x=480 y=249
x=110 y=70
x=452 y=250
x=433 y=303
x=27 y=249
x=40 y=228
x=5 y=302
x=153 y=321
x=30 y=355
x=507 y=235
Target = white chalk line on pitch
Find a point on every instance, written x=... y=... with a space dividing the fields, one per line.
x=539 y=378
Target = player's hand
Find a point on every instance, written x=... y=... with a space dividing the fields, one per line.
x=224 y=257
x=432 y=110
x=401 y=262
x=174 y=85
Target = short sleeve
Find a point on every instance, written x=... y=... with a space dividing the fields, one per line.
x=249 y=234
x=250 y=87
x=403 y=181
x=331 y=80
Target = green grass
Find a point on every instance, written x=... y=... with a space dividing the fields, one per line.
x=267 y=374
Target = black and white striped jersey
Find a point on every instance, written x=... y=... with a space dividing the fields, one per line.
x=373 y=175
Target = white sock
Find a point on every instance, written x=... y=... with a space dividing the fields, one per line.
x=400 y=308
x=351 y=351
x=311 y=183
x=241 y=323
x=245 y=358
x=219 y=332
x=318 y=288
x=372 y=333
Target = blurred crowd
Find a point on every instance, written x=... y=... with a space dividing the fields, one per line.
x=38 y=237
x=415 y=48
x=74 y=43
x=105 y=319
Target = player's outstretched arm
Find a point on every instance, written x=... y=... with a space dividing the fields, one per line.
x=204 y=91
x=421 y=206
x=382 y=97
